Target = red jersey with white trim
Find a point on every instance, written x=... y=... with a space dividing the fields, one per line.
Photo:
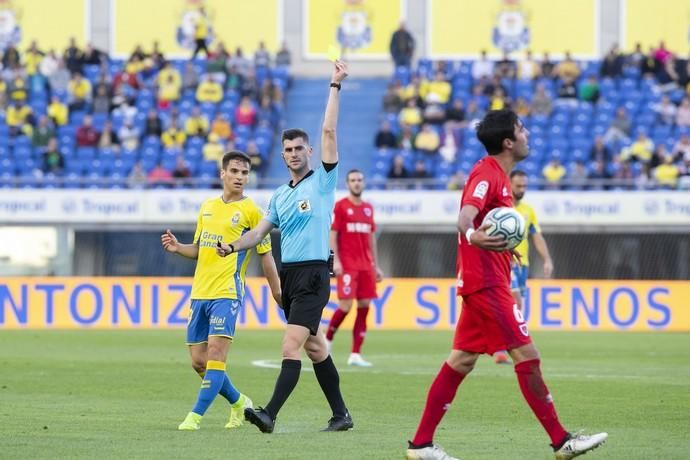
x=488 y=187
x=354 y=224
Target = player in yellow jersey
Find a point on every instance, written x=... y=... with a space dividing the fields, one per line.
x=218 y=286
x=520 y=270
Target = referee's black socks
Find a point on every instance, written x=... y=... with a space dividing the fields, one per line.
x=328 y=378
x=287 y=380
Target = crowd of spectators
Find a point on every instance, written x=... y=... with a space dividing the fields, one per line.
x=621 y=122
x=147 y=120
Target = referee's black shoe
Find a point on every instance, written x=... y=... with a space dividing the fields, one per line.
x=260 y=418
x=340 y=423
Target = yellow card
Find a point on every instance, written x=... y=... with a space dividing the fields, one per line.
x=333 y=53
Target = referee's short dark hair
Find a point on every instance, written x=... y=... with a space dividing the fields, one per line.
x=236 y=155
x=292 y=134
x=517 y=172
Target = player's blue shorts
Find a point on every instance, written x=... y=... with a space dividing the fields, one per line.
x=212 y=317
x=518 y=278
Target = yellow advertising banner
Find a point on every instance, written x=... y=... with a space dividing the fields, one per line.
x=648 y=23
x=50 y=23
x=361 y=28
x=173 y=23
x=462 y=28
x=403 y=304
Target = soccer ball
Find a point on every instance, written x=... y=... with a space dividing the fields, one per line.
x=508 y=223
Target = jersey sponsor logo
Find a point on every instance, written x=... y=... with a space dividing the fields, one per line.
x=358 y=227
x=236 y=218
x=303 y=206
x=481 y=189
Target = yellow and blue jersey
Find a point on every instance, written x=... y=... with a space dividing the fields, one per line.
x=218 y=277
x=532 y=226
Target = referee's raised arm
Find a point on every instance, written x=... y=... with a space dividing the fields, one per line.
x=329 y=147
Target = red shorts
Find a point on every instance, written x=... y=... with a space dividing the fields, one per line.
x=357 y=284
x=490 y=321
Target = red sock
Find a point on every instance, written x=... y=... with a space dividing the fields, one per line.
x=441 y=394
x=336 y=320
x=360 y=329
x=539 y=399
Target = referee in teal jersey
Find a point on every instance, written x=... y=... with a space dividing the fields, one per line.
x=302 y=211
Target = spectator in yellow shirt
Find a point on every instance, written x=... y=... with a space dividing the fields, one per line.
x=415 y=89
x=79 y=90
x=567 y=68
x=666 y=174
x=58 y=112
x=168 y=91
x=196 y=124
x=213 y=149
x=410 y=115
x=19 y=118
x=553 y=173
x=32 y=59
x=173 y=136
x=17 y=89
x=169 y=82
x=221 y=126
x=498 y=99
x=438 y=90
x=209 y=91
x=641 y=149
x=427 y=140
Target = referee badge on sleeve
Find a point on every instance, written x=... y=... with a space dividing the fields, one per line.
x=303 y=206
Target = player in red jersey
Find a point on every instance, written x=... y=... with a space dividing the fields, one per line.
x=354 y=247
x=490 y=319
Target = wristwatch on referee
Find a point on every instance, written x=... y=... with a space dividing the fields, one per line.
x=335 y=85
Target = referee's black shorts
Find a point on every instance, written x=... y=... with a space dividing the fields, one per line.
x=306 y=288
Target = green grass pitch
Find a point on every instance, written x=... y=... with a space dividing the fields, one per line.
x=117 y=394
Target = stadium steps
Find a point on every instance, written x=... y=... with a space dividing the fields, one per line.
x=360 y=111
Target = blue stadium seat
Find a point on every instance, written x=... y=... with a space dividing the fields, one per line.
x=209 y=168
x=27 y=166
x=75 y=166
x=21 y=153
x=86 y=153
x=6 y=166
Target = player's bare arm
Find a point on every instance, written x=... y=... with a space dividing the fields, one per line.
x=248 y=240
x=333 y=242
x=543 y=250
x=374 y=253
x=329 y=149
x=478 y=237
x=268 y=265
x=173 y=246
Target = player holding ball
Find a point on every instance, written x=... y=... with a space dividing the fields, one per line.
x=490 y=319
